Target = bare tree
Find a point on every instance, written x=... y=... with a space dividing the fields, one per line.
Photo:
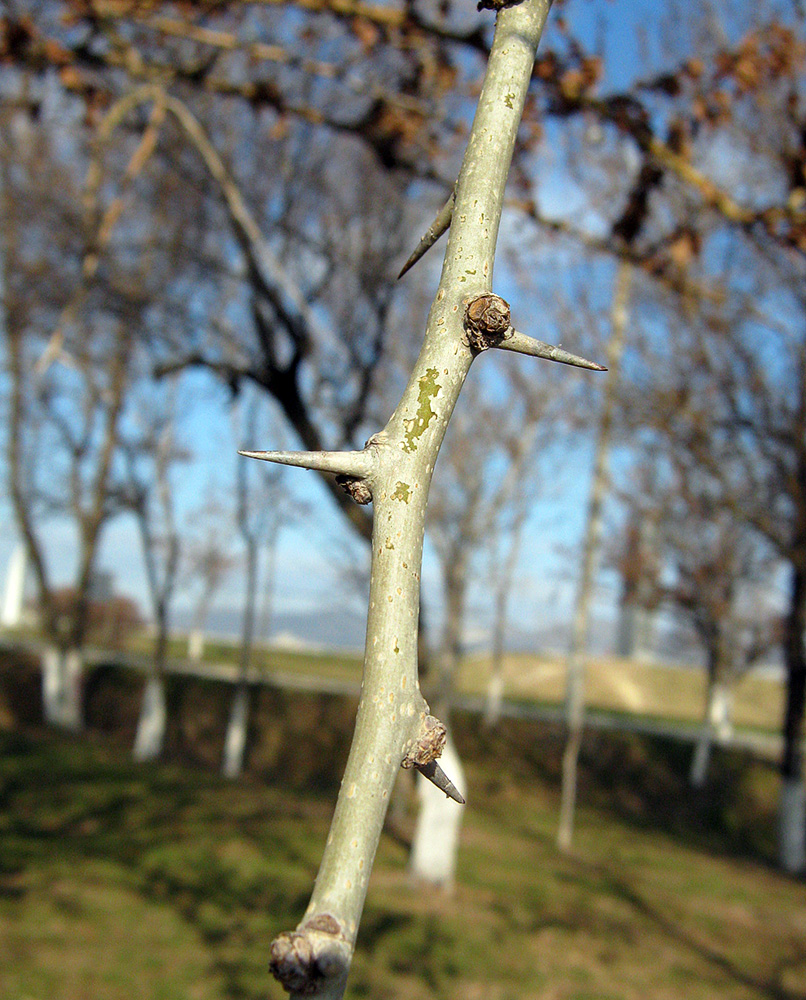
x=261 y=509
x=712 y=571
x=600 y=486
x=208 y=563
x=73 y=341
x=150 y=489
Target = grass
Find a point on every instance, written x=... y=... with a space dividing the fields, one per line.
x=119 y=881
x=630 y=687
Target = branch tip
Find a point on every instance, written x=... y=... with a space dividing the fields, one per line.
x=437 y=776
x=519 y=343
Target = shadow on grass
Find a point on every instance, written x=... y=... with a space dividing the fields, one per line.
x=640 y=780
x=235 y=862
x=677 y=933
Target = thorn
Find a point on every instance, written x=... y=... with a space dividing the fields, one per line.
x=437 y=776
x=356 y=464
x=438 y=227
x=521 y=344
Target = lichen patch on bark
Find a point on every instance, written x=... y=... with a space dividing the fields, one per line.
x=417 y=425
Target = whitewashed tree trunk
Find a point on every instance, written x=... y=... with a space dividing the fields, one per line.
x=196 y=644
x=717 y=727
x=52 y=685
x=237 y=731
x=436 y=836
x=792 y=825
x=150 y=738
x=14 y=594
x=62 y=675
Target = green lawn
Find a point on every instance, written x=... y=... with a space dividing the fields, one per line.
x=121 y=882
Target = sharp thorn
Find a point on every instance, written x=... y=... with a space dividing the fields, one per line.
x=521 y=344
x=437 y=776
x=345 y=463
x=437 y=228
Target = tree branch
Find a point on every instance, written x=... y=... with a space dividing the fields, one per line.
x=392 y=715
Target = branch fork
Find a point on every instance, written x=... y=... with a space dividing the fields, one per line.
x=315 y=955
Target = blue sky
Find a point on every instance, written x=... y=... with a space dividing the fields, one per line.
x=309 y=551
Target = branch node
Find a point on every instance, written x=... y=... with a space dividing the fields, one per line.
x=487 y=321
x=358 y=489
x=422 y=751
x=301 y=960
x=428 y=745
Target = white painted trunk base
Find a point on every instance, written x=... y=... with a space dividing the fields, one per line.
x=14 y=595
x=61 y=688
x=195 y=645
x=237 y=731
x=150 y=738
x=792 y=826
x=720 y=712
x=718 y=726
x=436 y=836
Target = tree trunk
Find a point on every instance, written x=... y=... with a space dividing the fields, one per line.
x=792 y=826
x=495 y=687
x=150 y=739
x=574 y=721
x=62 y=688
x=436 y=837
x=717 y=726
x=455 y=575
x=436 y=833
x=198 y=626
x=792 y=810
x=575 y=691
x=237 y=732
x=196 y=644
x=14 y=594
x=238 y=726
x=626 y=628
x=495 y=695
